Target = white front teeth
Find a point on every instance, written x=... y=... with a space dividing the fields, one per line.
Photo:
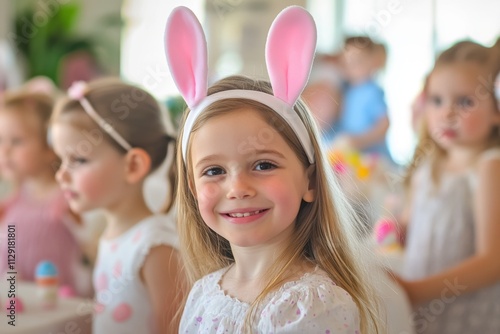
x=246 y=214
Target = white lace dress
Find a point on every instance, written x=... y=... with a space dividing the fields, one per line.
x=442 y=235
x=312 y=304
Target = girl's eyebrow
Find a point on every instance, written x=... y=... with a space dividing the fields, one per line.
x=208 y=158
x=269 y=151
x=213 y=157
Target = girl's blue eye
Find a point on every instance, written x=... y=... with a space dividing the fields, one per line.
x=465 y=102
x=213 y=171
x=435 y=100
x=80 y=160
x=76 y=161
x=265 y=165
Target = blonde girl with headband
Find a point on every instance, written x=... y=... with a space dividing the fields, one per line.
x=110 y=137
x=452 y=272
x=266 y=234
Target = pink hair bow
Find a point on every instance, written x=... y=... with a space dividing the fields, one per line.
x=77 y=90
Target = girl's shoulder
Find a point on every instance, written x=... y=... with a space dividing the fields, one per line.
x=207 y=290
x=151 y=232
x=422 y=172
x=485 y=167
x=490 y=154
x=132 y=247
x=209 y=282
x=312 y=303
x=156 y=229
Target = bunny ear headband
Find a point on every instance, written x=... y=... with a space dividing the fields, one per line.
x=290 y=47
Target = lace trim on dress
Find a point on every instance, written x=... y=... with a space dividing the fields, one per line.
x=285 y=286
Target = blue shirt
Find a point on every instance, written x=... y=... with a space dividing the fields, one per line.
x=364 y=105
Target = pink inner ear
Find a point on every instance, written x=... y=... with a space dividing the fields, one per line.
x=186 y=51
x=290 y=51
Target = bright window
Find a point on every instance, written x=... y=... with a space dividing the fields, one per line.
x=142 y=56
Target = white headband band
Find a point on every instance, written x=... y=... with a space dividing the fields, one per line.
x=77 y=92
x=280 y=107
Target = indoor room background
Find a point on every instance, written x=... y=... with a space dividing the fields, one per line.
x=127 y=39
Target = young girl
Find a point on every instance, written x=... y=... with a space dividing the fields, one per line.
x=452 y=271
x=110 y=136
x=37 y=208
x=266 y=238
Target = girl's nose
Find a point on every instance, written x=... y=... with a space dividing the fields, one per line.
x=62 y=174
x=5 y=149
x=449 y=112
x=240 y=187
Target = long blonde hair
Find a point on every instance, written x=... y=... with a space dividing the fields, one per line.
x=463 y=52
x=133 y=113
x=325 y=231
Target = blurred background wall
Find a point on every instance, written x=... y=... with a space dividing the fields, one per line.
x=4 y=17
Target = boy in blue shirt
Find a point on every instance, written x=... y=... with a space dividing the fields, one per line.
x=363 y=120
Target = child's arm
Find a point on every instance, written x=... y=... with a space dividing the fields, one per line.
x=483 y=268
x=374 y=135
x=162 y=275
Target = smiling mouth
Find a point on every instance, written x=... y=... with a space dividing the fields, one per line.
x=246 y=214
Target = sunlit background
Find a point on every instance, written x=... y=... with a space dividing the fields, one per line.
x=127 y=39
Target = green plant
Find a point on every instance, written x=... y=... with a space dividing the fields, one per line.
x=44 y=36
x=176 y=107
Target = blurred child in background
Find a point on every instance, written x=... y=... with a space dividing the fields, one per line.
x=43 y=221
x=452 y=272
x=323 y=93
x=110 y=137
x=363 y=120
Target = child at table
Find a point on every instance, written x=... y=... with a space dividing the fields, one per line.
x=43 y=221
x=110 y=137
x=265 y=231
x=452 y=272
x=363 y=120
